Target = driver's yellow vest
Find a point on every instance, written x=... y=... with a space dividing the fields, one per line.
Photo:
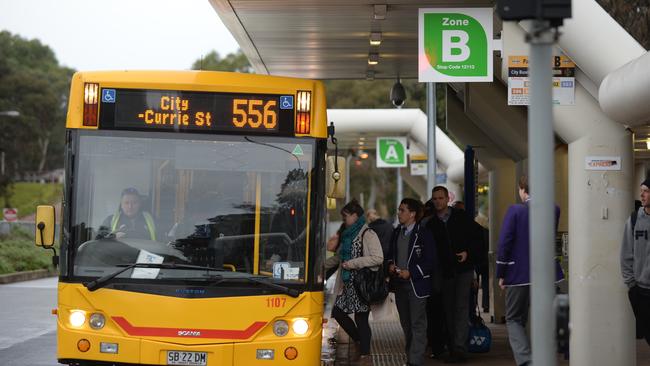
x=147 y=219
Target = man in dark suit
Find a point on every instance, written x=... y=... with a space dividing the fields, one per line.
x=410 y=259
x=456 y=243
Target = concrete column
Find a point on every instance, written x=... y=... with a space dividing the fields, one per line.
x=600 y=202
x=503 y=193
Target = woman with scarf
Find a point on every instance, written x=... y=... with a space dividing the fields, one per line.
x=359 y=247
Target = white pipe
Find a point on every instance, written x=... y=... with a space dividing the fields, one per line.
x=612 y=59
x=595 y=41
x=412 y=122
x=625 y=92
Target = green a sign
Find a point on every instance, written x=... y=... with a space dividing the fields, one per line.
x=455 y=45
x=391 y=152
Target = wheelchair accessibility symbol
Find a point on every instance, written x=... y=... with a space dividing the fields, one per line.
x=286 y=102
x=108 y=95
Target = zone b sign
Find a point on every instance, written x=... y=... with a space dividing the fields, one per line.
x=455 y=45
x=391 y=152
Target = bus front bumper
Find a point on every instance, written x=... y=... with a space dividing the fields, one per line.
x=137 y=351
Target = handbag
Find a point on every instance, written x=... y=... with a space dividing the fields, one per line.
x=371 y=286
x=479 y=339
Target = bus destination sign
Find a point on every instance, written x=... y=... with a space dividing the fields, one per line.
x=195 y=111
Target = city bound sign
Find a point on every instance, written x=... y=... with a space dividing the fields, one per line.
x=455 y=45
x=391 y=152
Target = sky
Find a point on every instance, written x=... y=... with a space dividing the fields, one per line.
x=120 y=34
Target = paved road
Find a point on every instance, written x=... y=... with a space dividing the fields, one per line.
x=28 y=334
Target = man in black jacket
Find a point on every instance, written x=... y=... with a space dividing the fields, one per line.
x=456 y=241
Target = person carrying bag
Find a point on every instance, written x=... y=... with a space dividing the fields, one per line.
x=359 y=248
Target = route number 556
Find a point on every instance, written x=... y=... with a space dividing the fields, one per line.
x=254 y=112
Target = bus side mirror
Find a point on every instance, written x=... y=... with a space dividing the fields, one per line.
x=335 y=177
x=44 y=226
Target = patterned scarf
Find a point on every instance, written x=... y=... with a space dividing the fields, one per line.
x=346 y=244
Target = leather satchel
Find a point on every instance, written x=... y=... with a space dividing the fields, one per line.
x=371 y=286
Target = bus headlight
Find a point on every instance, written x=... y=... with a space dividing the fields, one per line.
x=280 y=328
x=77 y=318
x=300 y=326
x=97 y=321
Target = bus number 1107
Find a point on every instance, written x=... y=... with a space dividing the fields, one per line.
x=275 y=302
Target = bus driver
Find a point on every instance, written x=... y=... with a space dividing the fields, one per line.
x=130 y=221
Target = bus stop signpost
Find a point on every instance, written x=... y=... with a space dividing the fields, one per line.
x=546 y=16
x=454 y=45
x=392 y=153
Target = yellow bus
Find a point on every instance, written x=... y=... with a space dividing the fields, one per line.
x=193 y=220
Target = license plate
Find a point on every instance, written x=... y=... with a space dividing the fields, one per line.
x=186 y=358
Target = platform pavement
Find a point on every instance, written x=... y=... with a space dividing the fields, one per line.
x=387 y=347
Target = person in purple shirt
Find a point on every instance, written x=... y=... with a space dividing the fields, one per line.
x=513 y=272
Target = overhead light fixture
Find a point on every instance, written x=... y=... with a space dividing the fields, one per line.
x=375 y=38
x=647 y=143
x=379 y=12
x=370 y=75
x=373 y=58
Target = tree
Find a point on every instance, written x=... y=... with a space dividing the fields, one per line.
x=236 y=62
x=33 y=83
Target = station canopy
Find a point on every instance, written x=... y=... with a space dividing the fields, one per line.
x=330 y=39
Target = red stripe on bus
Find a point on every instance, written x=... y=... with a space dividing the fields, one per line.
x=188 y=332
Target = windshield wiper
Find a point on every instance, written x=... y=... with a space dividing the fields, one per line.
x=285 y=290
x=102 y=281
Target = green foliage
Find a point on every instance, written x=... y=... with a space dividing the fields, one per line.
x=236 y=62
x=33 y=83
x=26 y=196
x=18 y=253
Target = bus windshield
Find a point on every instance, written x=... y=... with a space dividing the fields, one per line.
x=237 y=204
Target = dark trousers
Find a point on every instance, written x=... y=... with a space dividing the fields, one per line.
x=517 y=304
x=640 y=301
x=358 y=330
x=455 y=297
x=413 y=318
x=436 y=325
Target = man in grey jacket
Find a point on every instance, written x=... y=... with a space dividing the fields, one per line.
x=635 y=262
